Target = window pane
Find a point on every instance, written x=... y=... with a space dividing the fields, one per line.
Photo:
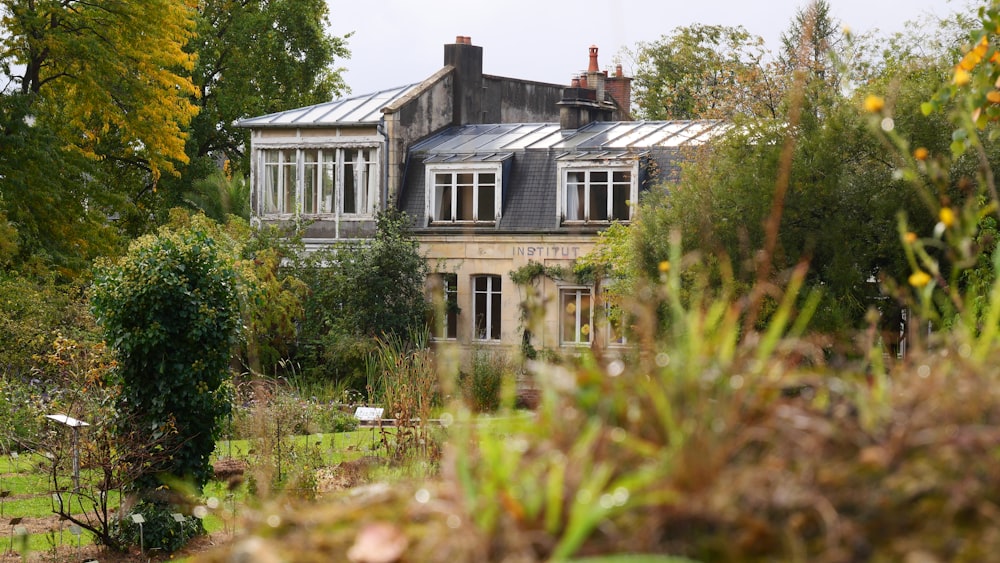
x=575 y=196
x=619 y=205
x=598 y=202
x=270 y=193
x=442 y=198
x=569 y=312
x=444 y=319
x=310 y=185
x=463 y=206
x=576 y=316
x=451 y=304
x=598 y=210
x=486 y=307
x=464 y=198
x=370 y=186
x=487 y=203
x=350 y=196
x=495 y=313
x=329 y=182
x=481 y=300
x=621 y=192
x=287 y=181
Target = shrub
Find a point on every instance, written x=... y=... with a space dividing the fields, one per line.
x=169 y=311
x=361 y=292
x=482 y=386
x=32 y=314
x=22 y=412
x=403 y=378
x=160 y=529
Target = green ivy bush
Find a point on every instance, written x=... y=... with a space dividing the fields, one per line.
x=169 y=310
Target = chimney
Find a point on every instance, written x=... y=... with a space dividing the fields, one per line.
x=467 y=89
x=595 y=78
x=619 y=87
x=585 y=100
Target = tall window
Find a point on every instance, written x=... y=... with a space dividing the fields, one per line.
x=486 y=307
x=341 y=181
x=360 y=176
x=597 y=194
x=464 y=195
x=279 y=181
x=576 y=316
x=444 y=293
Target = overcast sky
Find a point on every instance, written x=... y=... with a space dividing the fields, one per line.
x=398 y=42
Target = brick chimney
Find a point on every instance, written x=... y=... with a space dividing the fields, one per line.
x=620 y=88
x=587 y=98
x=467 y=92
x=595 y=78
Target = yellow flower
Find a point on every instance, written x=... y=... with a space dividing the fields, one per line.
x=920 y=154
x=910 y=237
x=585 y=329
x=874 y=104
x=919 y=279
x=993 y=97
x=664 y=266
x=962 y=77
x=946 y=216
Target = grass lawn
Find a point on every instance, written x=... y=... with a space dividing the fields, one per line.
x=29 y=496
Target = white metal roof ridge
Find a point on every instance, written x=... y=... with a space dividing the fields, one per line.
x=319 y=114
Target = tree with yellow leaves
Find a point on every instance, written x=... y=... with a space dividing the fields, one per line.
x=111 y=67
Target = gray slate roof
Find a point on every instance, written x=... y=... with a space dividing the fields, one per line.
x=530 y=152
x=365 y=109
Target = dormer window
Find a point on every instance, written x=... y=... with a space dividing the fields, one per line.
x=597 y=193
x=464 y=193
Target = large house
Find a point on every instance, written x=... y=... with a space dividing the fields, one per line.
x=496 y=174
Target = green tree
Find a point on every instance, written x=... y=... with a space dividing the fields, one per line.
x=169 y=311
x=362 y=291
x=88 y=121
x=84 y=59
x=818 y=188
x=705 y=71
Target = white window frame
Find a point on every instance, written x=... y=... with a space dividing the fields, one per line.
x=432 y=205
x=492 y=325
x=588 y=169
x=571 y=307
x=330 y=165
